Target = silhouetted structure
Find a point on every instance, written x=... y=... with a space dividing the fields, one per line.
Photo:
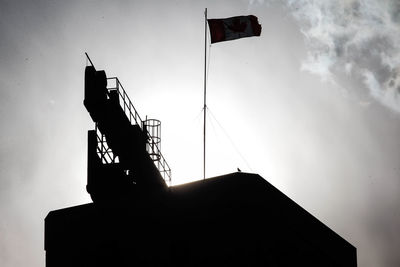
x=238 y=219
x=124 y=156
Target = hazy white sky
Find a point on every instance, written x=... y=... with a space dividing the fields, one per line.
x=312 y=105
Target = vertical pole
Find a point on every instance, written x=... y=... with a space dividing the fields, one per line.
x=205 y=91
x=87 y=57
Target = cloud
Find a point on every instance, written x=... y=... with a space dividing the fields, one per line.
x=356 y=38
x=252 y=2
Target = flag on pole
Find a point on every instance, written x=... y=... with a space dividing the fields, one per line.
x=233 y=28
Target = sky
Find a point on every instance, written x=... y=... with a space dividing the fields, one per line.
x=312 y=105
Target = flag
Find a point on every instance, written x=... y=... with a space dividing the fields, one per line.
x=233 y=28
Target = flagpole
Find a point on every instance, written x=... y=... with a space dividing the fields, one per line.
x=205 y=91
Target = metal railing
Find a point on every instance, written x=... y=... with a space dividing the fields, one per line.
x=131 y=113
x=103 y=150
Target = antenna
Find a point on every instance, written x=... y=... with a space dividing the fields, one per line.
x=88 y=58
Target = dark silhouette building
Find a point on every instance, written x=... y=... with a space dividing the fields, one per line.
x=238 y=219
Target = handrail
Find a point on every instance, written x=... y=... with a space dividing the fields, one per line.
x=105 y=153
x=135 y=119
